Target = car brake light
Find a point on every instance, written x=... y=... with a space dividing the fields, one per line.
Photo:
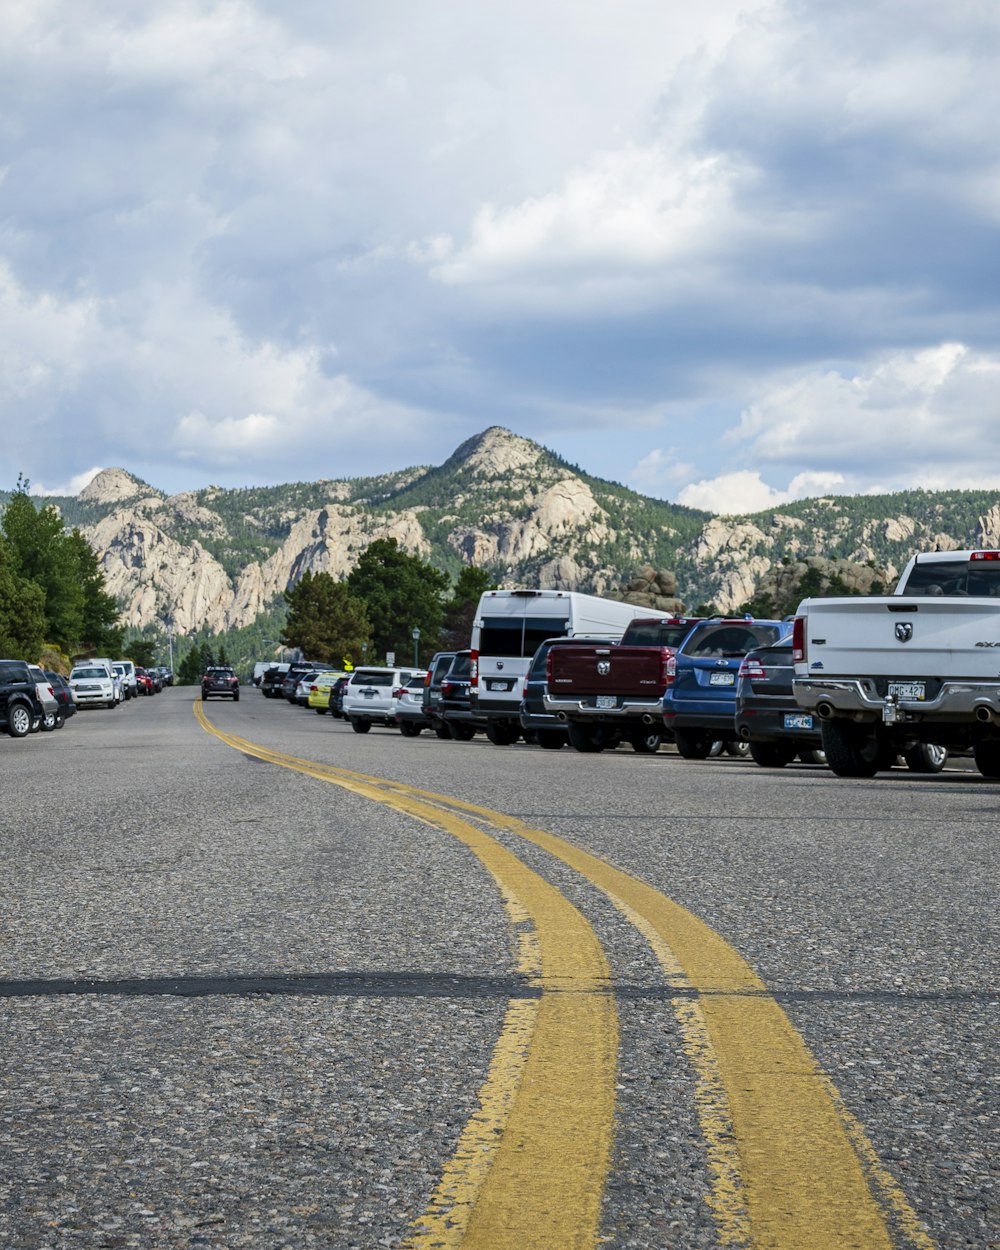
x=752 y=669
x=474 y=669
x=398 y=692
x=985 y=555
x=799 y=640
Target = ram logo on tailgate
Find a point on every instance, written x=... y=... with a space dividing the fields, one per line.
x=904 y=631
x=604 y=667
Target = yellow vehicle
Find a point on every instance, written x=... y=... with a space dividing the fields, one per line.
x=319 y=690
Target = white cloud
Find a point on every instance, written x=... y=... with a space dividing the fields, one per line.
x=733 y=494
x=910 y=416
x=73 y=487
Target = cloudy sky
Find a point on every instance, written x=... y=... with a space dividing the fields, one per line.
x=728 y=253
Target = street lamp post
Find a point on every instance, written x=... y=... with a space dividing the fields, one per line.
x=415 y=635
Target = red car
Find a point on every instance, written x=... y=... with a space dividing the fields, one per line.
x=222 y=682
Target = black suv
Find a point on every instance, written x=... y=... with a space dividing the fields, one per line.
x=455 y=706
x=220 y=681
x=21 y=711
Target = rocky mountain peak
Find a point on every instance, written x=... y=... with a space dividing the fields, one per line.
x=112 y=486
x=497 y=452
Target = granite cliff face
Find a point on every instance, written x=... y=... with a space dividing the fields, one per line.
x=217 y=558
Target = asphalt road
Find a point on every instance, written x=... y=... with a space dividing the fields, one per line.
x=243 y=1005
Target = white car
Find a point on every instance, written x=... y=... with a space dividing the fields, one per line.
x=407 y=708
x=368 y=696
x=93 y=686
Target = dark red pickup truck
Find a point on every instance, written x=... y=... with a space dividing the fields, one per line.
x=614 y=692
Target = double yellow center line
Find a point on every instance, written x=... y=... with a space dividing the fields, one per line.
x=790 y=1167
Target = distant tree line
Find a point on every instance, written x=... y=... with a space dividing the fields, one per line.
x=52 y=592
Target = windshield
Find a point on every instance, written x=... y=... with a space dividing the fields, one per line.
x=90 y=672
x=954 y=577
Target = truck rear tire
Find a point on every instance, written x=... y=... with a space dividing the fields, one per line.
x=360 y=726
x=987 y=757
x=852 y=750
x=460 y=731
x=502 y=735
x=551 y=739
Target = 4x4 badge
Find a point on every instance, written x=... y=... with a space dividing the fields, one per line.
x=904 y=631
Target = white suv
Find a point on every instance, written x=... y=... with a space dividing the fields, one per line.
x=93 y=685
x=368 y=696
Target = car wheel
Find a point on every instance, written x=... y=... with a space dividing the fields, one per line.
x=48 y=722
x=692 y=745
x=926 y=757
x=813 y=757
x=591 y=739
x=646 y=743
x=987 y=757
x=852 y=750
x=551 y=739
x=502 y=735
x=442 y=731
x=408 y=729
x=360 y=726
x=737 y=747
x=18 y=721
x=772 y=754
x=320 y=711
x=461 y=732
x=236 y=698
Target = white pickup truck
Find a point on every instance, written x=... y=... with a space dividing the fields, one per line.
x=921 y=665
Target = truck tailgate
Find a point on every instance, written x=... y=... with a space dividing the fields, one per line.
x=899 y=637
x=635 y=671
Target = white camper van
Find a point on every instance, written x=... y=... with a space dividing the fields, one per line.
x=509 y=626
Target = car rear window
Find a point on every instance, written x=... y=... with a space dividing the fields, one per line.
x=12 y=672
x=722 y=639
x=372 y=679
x=657 y=634
x=517 y=635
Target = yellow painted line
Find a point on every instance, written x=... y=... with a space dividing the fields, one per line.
x=530 y=1173
x=792 y=1168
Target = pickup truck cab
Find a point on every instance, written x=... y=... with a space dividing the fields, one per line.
x=605 y=692
x=919 y=666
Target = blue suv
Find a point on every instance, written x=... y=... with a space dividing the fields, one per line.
x=700 y=703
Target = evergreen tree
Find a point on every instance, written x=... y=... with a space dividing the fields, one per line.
x=325 y=621
x=401 y=592
x=22 y=611
x=99 y=630
x=43 y=554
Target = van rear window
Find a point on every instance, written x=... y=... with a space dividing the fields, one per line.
x=518 y=635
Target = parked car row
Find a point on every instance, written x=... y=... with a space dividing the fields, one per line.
x=706 y=685
x=34 y=700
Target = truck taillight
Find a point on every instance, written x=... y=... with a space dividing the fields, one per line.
x=668 y=670
x=799 y=640
x=474 y=669
x=985 y=555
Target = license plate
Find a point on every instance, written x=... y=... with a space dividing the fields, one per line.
x=606 y=701
x=368 y=694
x=908 y=690
x=798 y=720
x=722 y=679
x=498 y=685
